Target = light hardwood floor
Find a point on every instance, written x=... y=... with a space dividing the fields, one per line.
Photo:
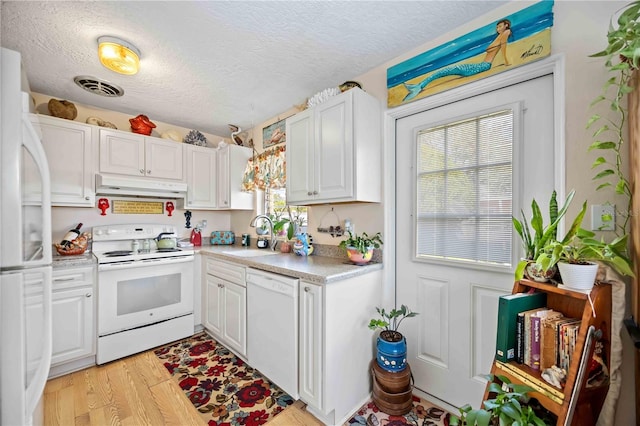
x=136 y=390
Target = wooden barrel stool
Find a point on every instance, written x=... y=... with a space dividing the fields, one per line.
x=392 y=392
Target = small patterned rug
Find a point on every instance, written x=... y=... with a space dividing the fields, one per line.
x=225 y=390
x=423 y=413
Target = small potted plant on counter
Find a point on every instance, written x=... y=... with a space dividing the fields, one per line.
x=391 y=344
x=360 y=247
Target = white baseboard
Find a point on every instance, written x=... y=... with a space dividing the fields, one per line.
x=71 y=366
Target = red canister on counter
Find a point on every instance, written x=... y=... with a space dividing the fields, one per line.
x=196 y=237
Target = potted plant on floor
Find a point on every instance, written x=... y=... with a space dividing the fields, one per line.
x=391 y=344
x=536 y=238
x=360 y=247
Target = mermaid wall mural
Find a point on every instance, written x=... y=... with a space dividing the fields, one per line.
x=514 y=40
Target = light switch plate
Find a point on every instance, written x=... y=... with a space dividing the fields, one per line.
x=603 y=217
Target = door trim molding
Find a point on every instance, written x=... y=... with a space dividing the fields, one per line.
x=554 y=65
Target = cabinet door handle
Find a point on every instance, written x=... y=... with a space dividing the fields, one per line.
x=141 y=171
x=87 y=198
x=309 y=193
x=315 y=192
x=148 y=172
x=63 y=279
x=87 y=295
x=307 y=289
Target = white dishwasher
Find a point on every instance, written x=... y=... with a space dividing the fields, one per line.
x=272 y=328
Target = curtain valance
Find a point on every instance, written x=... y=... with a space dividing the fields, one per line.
x=266 y=170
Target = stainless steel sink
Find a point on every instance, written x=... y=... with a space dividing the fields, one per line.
x=250 y=252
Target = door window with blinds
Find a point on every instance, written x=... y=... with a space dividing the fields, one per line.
x=464 y=188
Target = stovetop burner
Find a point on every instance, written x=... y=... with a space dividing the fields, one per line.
x=118 y=253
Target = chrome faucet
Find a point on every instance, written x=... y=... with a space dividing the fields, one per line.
x=268 y=219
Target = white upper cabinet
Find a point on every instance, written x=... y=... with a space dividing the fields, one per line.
x=138 y=155
x=214 y=178
x=232 y=162
x=202 y=182
x=69 y=146
x=334 y=151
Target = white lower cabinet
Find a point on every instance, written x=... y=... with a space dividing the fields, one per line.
x=225 y=304
x=336 y=345
x=73 y=319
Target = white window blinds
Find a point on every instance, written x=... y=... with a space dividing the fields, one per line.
x=464 y=190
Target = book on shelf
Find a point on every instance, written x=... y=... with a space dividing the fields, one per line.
x=508 y=308
x=536 y=334
x=528 y=360
x=568 y=334
x=549 y=344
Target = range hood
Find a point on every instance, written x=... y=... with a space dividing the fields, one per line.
x=139 y=187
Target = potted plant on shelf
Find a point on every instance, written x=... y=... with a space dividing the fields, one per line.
x=535 y=239
x=360 y=247
x=509 y=407
x=391 y=345
x=576 y=258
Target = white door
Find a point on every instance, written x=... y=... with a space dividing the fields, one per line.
x=300 y=157
x=456 y=183
x=235 y=315
x=163 y=159
x=69 y=148
x=72 y=324
x=202 y=188
x=213 y=307
x=121 y=153
x=333 y=158
x=222 y=178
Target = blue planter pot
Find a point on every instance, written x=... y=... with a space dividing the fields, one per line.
x=392 y=356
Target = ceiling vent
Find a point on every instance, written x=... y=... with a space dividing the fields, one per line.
x=98 y=87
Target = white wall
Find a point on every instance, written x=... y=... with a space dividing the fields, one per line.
x=65 y=218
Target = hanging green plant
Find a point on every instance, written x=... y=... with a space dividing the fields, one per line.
x=622 y=59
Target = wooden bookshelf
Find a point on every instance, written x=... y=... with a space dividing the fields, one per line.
x=587 y=401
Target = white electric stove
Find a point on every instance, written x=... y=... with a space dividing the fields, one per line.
x=145 y=296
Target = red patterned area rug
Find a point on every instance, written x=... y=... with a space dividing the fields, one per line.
x=423 y=413
x=225 y=390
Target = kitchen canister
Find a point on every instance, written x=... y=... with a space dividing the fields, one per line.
x=222 y=238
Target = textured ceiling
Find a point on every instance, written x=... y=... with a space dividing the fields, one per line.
x=205 y=64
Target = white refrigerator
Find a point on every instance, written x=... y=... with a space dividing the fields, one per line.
x=25 y=252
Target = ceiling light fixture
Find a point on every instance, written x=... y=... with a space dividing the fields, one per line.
x=118 y=55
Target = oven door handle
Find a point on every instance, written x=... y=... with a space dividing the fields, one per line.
x=144 y=263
